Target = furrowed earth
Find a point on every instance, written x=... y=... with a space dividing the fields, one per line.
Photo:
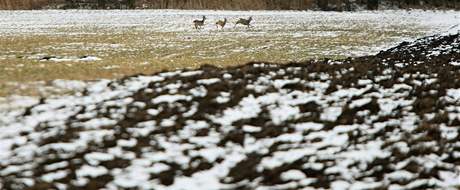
x=386 y=121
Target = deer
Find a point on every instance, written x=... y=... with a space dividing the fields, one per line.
x=199 y=23
x=246 y=22
x=221 y=23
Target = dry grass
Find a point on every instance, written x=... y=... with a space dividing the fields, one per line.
x=136 y=50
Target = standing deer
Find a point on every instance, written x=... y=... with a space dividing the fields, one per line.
x=246 y=22
x=199 y=23
x=221 y=23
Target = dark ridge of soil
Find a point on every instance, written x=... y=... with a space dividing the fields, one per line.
x=376 y=122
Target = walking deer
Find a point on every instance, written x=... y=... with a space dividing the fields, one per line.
x=199 y=23
x=221 y=23
x=246 y=22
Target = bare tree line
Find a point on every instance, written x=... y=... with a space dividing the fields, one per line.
x=23 y=4
x=335 y=5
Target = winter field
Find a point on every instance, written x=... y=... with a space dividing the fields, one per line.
x=379 y=113
x=40 y=46
x=387 y=121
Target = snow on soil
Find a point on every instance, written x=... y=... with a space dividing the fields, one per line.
x=69 y=59
x=43 y=20
x=389 y=121
x=270 y=25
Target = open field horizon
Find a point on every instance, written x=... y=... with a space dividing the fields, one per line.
x=142 y=99
x=41 y=46
x=327 y=5
x=385 y=121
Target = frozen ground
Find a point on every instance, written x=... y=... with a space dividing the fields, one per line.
x=387 y=121
x=272 y=24
x=49 y=21
x=51 y=44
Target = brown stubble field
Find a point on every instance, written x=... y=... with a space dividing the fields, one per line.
x=125 y=45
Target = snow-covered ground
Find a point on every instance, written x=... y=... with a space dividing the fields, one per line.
x=44 y=21
x=292 y=25
x=389 y=121
x=356 y=125
x=133 y=41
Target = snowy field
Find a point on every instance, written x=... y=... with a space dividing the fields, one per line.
x=40 y=46
x=386 y=121
x=389 y=121
x=284 y=30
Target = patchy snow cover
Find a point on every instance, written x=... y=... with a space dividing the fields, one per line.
x=455 y=29
x=454 y=63
x=389 y=121
x=295 y=25
x=73 y=85
x=69 y=59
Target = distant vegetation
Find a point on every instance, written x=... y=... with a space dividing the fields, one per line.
x=334 y=5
